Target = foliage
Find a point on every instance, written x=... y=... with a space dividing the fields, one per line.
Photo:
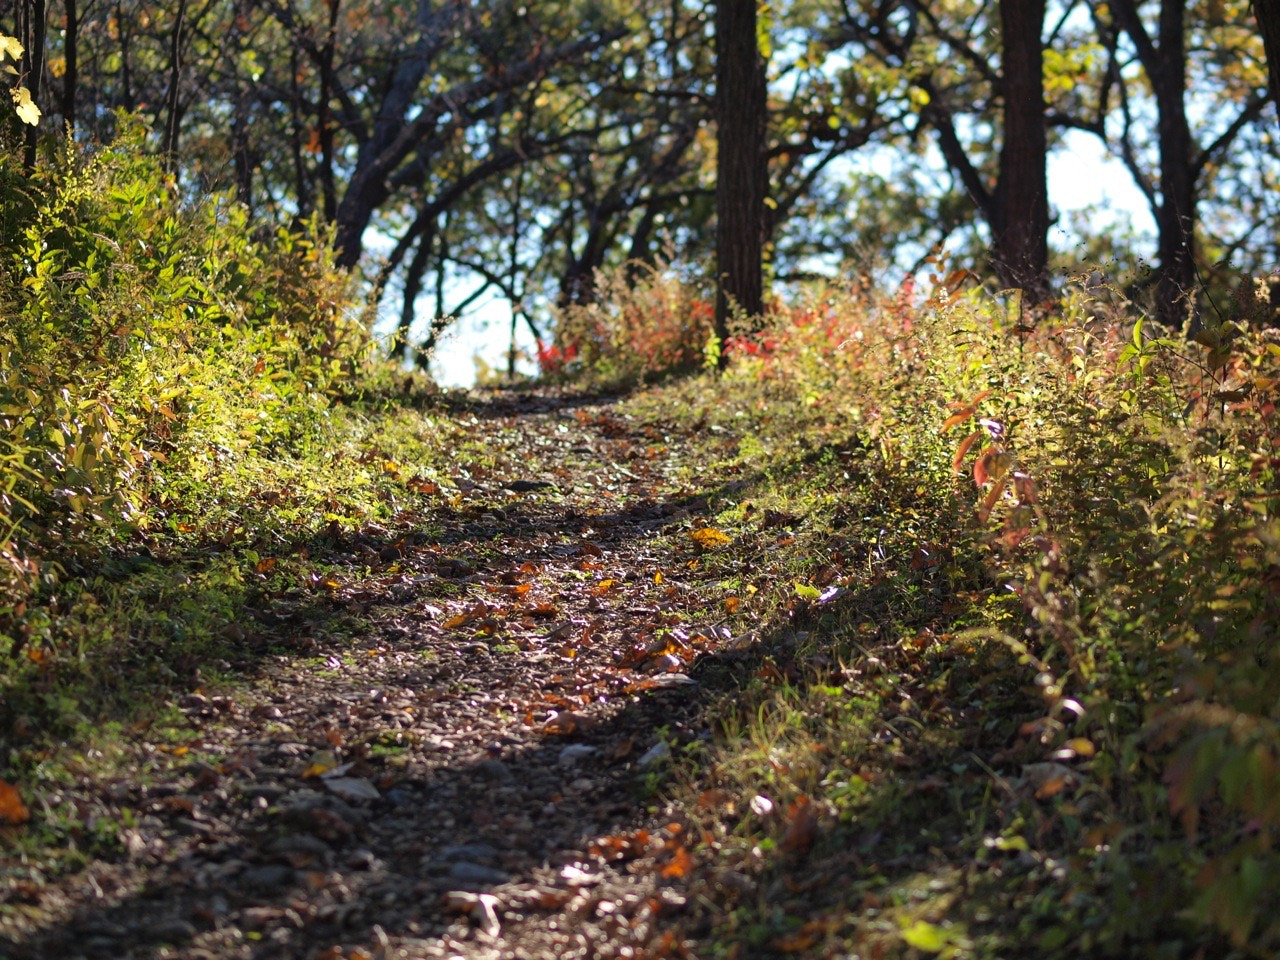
x=647 y=323
x=151 y=344
x=1044 y=561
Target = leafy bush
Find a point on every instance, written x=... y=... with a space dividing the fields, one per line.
x=147 y=335
x=1123 y=489
x=645 y=323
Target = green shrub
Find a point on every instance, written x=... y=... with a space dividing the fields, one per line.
x=146 y=334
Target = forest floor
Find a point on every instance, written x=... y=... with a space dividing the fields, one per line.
x=680 y=675
x=461 y=753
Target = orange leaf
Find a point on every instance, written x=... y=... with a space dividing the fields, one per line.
x=961 y=450
x=603 y=587
x=991 y=499
x=803 y=828
x=678 y=866
x=12 y=809
x=959 y=417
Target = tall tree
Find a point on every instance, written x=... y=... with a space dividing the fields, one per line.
x=1164 y=59
x=1267 y=13
x=1020 y=206
x=742 y=175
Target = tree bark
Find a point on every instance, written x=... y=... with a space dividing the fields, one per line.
x=1267 y=13
x=71 y=76
x=741 y=166
x=1020 y=221
x=33 y=36
x=1165 y=63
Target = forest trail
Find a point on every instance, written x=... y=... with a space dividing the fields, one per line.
x=460 y=758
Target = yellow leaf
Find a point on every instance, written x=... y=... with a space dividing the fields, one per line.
x=1082 y=747
x=27 y=111
x=708 y=538
x=925 y=936
x=9 y=46
x=322 y=761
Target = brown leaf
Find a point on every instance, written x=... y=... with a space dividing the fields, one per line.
x=802 y=826
x=961 y=450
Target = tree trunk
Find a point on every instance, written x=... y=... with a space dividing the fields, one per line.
x=171 y=126
x=1267 y=13
x=1020 y=222
x=33 y=34
x=741 y=165
x=71 y=75
x=1165 y=63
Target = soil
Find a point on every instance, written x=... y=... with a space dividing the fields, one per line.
x=461 y=753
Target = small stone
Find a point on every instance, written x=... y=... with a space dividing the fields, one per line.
x=271 y=792
x=170 y=930
x=465 y=871
x=654 y=755
x=469 y=851
x=494 y=770
x=575 y=752
x=269 y=878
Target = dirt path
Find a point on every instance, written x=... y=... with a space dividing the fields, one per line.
x=471 y=771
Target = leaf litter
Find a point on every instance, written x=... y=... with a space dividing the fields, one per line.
x=456 y=767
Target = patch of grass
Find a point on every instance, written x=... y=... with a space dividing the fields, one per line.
x=1014 y=602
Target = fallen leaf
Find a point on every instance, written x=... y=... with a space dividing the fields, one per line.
x=322 y=761
x=12 y=810
x=678 y=866
x=802 y=826
x=925 y=936
x=708 y=538
x=795 y=942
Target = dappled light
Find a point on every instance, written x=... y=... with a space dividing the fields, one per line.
x=844 y=559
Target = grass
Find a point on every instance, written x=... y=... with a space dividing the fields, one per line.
x=1032 y=713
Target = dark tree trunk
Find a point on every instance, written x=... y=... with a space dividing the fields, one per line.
x=741 y=165
x=412 y=288
x=324 y=119
x=71 y=76
x=175 y=79
x=1020 y=221
x=1267 y=13
x=33 y=32
x=1165 y=63
x=1177 y=180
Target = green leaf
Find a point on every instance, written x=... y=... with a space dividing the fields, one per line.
x=806 y=592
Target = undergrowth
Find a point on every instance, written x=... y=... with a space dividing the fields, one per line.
x=179 y=436
x=1016 y=584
